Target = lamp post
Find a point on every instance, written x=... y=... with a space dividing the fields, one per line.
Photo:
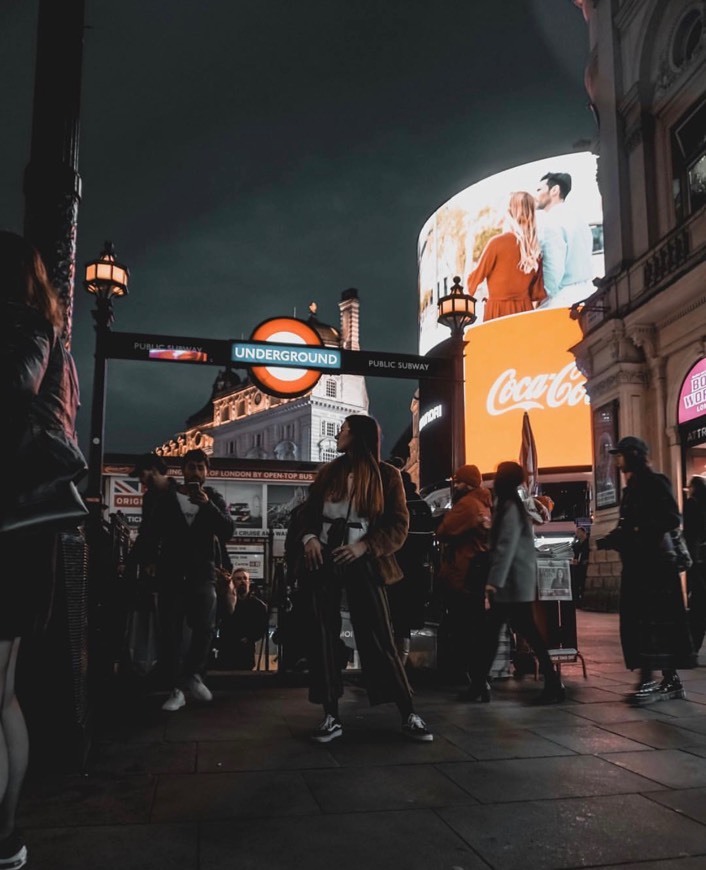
x=457 y=310
x=105 y=279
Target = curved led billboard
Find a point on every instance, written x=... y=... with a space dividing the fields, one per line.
x=523 y=363
x=455 y=236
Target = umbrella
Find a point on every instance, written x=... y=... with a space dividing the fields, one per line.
x=528 y=454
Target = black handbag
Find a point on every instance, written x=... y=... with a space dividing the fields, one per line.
x=674 y=549
x=42 y=493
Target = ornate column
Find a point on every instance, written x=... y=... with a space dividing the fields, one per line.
x=52 y=186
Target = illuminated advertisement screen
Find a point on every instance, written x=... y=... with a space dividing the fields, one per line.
x=511 y=368
x=692 y=397
x=570 y=232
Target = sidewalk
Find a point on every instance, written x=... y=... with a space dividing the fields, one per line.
x=592 y=782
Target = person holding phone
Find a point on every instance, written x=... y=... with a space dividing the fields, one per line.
x=189 y=528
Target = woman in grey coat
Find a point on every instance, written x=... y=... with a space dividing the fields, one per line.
x=512 y=583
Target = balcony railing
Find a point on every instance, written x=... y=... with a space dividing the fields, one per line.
x=637 y=282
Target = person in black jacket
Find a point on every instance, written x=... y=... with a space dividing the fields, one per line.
x=695 y=537
x=408 y=598
x=654 y=632
x=39 y=385
x=187 y=532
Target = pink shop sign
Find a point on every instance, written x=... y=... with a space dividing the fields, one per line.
x=692 y=398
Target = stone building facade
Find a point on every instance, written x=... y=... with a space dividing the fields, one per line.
x=644 y=329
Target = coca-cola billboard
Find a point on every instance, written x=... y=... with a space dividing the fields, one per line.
x=523 y=363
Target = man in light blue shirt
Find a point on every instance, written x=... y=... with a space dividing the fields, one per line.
x=566 y=241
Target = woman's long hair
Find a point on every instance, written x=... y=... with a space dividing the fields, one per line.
x=24 y=280
x=362 y=459
x=523 y=224
x=509 y=476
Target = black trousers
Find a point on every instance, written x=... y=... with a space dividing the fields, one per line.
x=383 y=675
x=193 y=606
x=519 y=616
x=696 y=586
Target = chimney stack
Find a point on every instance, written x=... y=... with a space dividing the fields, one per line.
x=350 y=319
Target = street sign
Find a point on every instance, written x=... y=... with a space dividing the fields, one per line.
x=394 y=365
x=169 y=348
x=288 y=355
x=285 y=356
x=285 y=382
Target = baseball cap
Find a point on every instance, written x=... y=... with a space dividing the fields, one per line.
x=149 y=460
x=468 y=474
x=630 y=442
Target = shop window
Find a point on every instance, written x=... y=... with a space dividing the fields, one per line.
x=689 y=162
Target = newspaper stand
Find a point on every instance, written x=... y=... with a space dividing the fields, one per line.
x=555 y=612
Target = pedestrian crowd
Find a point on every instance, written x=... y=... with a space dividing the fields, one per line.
x=363 y=540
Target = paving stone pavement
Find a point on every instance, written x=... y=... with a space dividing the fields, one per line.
x=589 y=783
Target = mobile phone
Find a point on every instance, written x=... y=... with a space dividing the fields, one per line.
x=194 y=487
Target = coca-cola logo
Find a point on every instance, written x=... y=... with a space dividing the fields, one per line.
x=509 y=392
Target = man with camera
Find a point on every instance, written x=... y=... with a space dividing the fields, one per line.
x=242 y=621
x=189 y=527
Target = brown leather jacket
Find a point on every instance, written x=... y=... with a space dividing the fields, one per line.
x=384 y=537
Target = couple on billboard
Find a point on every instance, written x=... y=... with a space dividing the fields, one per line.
x=542 y=257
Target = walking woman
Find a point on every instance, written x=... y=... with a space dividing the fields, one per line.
x=354 y=520
x=38 y=383
x=512 y=583
x=511 y=263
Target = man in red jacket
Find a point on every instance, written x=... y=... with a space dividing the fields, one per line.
x=464 y=530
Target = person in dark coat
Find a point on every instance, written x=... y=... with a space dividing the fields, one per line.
x=187 y=532
x=464 y=531
x=354 y=521
x=512 y=582
x=580 y=547
x=242 y=618
x=695 y=537
x=38 y=387
x=654 y=630
x=408 y=597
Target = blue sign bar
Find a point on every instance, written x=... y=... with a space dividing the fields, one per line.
x=299 y=356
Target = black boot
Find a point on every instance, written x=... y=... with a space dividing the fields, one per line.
x=477 y=691
x=554 y=691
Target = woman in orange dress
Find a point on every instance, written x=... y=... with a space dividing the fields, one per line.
x=511 y=263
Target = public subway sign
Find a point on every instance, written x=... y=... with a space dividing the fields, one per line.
x=288 y=355
x=285 y=356
x=285 y=377
x=692 y=397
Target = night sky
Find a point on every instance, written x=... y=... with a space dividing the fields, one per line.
x=247 y=158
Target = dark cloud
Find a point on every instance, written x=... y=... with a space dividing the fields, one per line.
x=248 y=158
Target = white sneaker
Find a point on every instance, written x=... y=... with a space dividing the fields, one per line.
x=415 y=729
x=198 y=689
x=329 y=730
x=175 y=701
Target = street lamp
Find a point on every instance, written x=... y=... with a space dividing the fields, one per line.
x=457 y=310
x=105 y=279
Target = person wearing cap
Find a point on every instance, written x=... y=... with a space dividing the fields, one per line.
x=654 y=631
x=465 y=530
x=566 y=241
